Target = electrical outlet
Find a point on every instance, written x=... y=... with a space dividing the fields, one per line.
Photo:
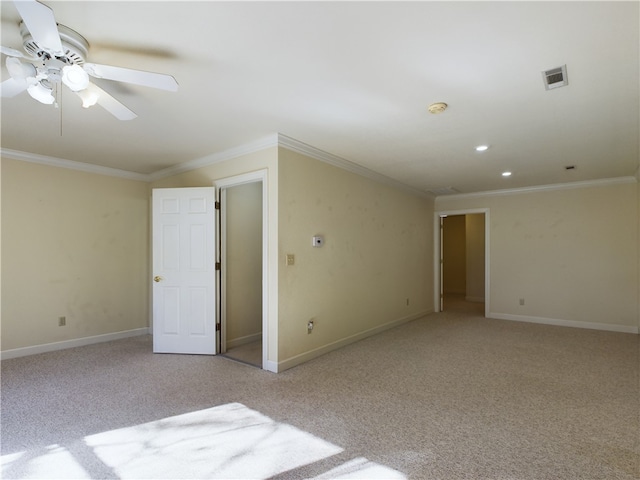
x=522 y=301
x=309 y=326
x=291 y=259
x=62 y=321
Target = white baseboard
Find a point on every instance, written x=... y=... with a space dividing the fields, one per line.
x=566 y=323
x=270 y=366
x=236 y=342
x=310 y=355
x=76 y=342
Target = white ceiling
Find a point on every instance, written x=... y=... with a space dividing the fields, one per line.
x=354 y=79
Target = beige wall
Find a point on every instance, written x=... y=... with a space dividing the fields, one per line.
x=378 y=253
x=77 y=245
x=572 y=254
x=205 y=176
x=74 y=244
x=243 y=263
x=454 y=256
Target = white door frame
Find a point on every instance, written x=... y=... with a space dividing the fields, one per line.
x=221 y=186
x=437 y=255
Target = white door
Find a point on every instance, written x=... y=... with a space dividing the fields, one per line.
x=184 y=270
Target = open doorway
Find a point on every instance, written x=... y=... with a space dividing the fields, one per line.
x=242 y=259
x=462 y=245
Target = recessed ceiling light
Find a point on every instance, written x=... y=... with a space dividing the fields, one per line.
x=506 y=174
x=482 y=148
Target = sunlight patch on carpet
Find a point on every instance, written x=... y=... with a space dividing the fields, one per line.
x=226 y=442
x=54 y=462
x=361 y=468
x=229 y=441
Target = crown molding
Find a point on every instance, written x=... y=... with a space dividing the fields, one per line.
x=280 y=140
x=543 y=188
x=72 y=165
x=317 y=154
x=261 y=144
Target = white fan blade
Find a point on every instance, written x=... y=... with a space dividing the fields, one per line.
x=137 y=77
x=41 y=24
x=106 y=101
x=10 y=88
x=12 y=52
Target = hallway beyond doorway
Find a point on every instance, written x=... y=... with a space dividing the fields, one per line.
x=456 y=303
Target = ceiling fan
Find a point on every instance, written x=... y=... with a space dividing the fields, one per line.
x=57 y=56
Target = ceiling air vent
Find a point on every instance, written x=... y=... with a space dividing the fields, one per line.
x=556 y=77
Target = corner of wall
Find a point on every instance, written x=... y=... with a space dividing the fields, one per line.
x=349 y=286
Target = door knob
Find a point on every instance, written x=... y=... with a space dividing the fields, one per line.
x=157 y=278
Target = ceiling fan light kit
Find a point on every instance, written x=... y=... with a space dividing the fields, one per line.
x=20 y=71
x=59 y=54
x=74 y=77
x=41 y=93
x=89 y=97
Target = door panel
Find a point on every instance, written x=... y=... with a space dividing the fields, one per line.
x=184 y=296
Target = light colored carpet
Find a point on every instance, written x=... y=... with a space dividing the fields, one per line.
x=449 y=396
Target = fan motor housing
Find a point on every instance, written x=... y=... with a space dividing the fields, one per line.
x=75 y=45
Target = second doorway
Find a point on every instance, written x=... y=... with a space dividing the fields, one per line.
x=242 y=250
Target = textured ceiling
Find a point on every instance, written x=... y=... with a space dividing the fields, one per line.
x=354 y=79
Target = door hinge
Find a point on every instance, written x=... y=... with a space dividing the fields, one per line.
x=218 y=327
x=217 y=205
x=217 y=265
